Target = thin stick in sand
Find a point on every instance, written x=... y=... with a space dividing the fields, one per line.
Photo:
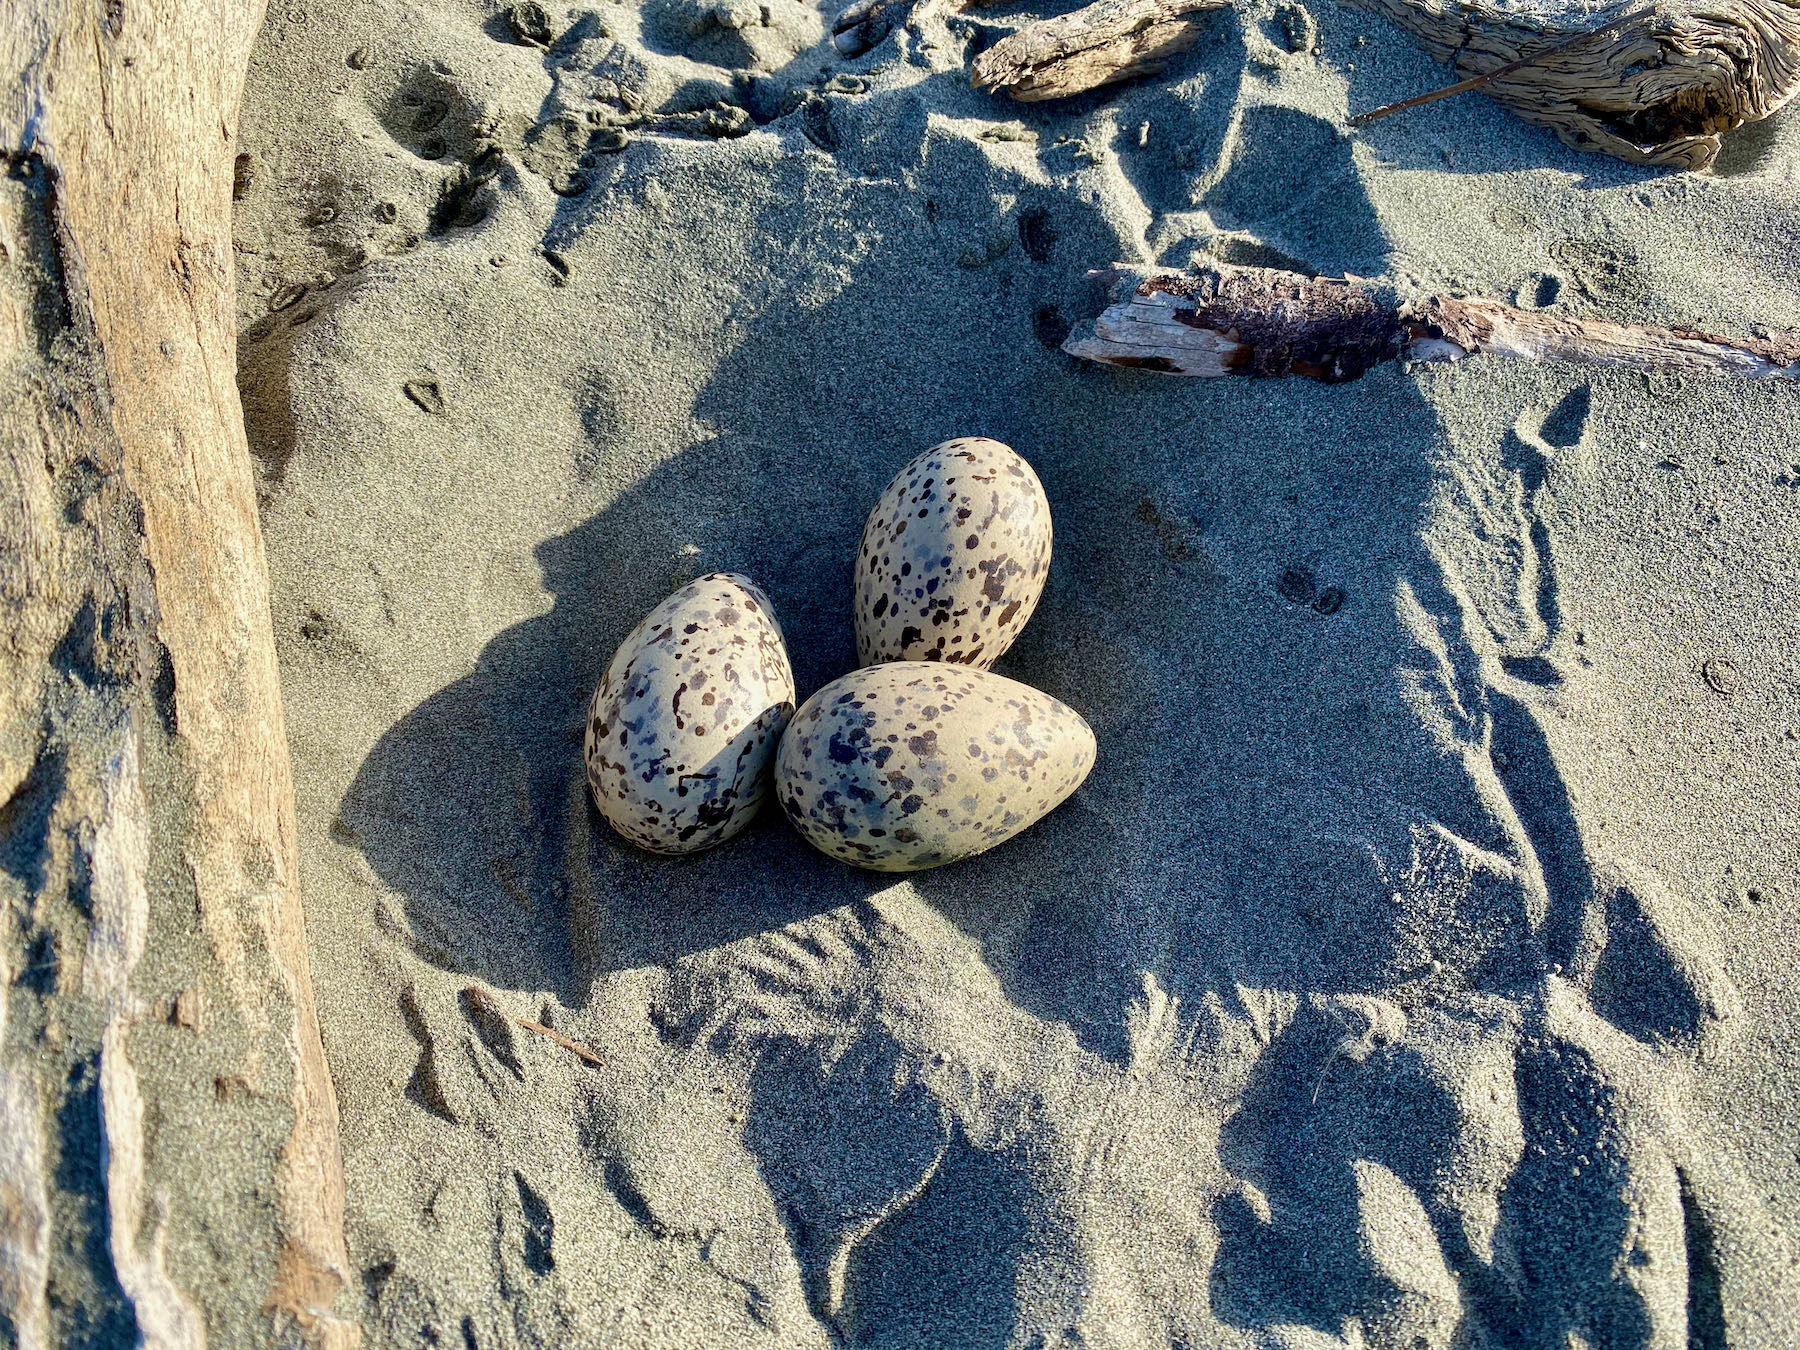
x=487 y=1012
x=572 y=1046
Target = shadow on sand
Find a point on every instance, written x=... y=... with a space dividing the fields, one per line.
x=1271 y=766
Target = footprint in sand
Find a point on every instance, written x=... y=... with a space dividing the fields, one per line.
x=429 y=116
x=1604 y=270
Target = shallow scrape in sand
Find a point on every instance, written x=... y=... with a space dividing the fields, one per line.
x=1414 y=969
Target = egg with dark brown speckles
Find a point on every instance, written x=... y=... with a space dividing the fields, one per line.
x=953 y=558
x=685 y=722
x=914 y=764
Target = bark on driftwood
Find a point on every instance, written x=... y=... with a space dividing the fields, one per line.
x=146 y=808
x=1105 y=42
x=1658 y=88
x=1258 y=321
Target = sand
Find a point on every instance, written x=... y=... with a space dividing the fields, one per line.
x=1414 y=975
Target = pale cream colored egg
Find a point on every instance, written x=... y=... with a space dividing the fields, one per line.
x=953 y=558
x=685 y=722
x=913 y=764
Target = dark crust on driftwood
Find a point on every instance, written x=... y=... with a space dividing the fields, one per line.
x=1657 y=90
x=1286 y=324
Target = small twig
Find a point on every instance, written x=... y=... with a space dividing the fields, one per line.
x=1330 y=1059
x=573 y=1047
x=1476 y=81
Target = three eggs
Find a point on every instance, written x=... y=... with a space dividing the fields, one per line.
x=922 y=756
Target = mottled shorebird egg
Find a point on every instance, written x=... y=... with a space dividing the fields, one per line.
x=686 y=719
x=954 y=557
x=914 y=764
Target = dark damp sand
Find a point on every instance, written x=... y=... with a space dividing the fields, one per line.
x=1415 y=970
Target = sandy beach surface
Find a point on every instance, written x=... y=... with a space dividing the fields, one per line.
x=1416 y=975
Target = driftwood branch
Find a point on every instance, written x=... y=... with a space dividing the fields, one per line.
x=1658 y=86
x=143 y=758
x=1105 y=42
x=1258 y=321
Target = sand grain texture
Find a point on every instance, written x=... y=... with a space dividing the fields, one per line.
x=1414 y=968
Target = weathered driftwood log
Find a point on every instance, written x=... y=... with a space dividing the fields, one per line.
x=1658 y=88
x=1103 y=43
x=1258 y=321
x=166 y=1119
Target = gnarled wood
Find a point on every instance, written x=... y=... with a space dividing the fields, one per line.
x=1226 y=320
x=136 y=631
x=1660 y=87
x=1105 y=42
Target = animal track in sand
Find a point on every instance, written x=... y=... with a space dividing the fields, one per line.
x=1274 y=196
x=461 y=202
x=427 y=395
x=1037 y=235
x=1603 y=269
x=733 y=34
x=537 y=1228
x=1564 y=425
x=1502 y=549
x=428 y=116
x=1049 y=327
x=1298 y=586
x=564 y=150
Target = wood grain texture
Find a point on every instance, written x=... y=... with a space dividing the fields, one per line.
x=1257 y=321
x=1103 y=43
x=1658 y=89
x=137 y=615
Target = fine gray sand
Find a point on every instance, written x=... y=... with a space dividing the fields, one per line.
x=1416 y=975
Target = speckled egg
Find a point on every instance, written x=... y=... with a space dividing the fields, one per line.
x=954 y=557
x=914 y=764
x=687 y=717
